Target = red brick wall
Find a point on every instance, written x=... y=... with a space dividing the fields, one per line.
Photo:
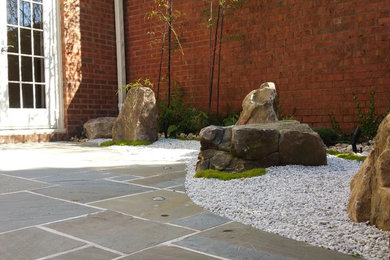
x=28 y=138
x=318 y=52
x=89 y=61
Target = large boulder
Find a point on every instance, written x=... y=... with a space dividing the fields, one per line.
x=239 y=148
x=370 y=187
x=137 y=120
x=100 y=127
x=259 y=106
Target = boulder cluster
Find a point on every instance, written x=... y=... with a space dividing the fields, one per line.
x=137 y=120
x=258 y=139
x=239 y=148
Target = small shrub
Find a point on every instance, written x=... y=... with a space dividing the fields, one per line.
x=342 y=137
x=328 y=136
x=180 y=118
x=225 y=176
x=369 y=122
x=347 y=156
x=231 y=119
x=172 y=131
x=138 y=83
x=125 y=143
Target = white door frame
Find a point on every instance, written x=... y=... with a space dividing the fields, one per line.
x=53 y=76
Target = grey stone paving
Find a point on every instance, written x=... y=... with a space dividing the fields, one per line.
x=11 y=184
x=75 y=177
x=90 y=253
x=100 y=209
x=19 y=210
x=119 y=232
x=89 y=191
x=45 y=172
x=32 y=243
x=168 y=253
x=238 y=241
x=202 y=221
x=161 y=205
x=145 y=170
x=164 y=180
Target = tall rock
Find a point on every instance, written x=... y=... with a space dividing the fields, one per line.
x=137 y=120
x=370 y=187
x=259 y=106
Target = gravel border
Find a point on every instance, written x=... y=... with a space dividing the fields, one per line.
x=299 y=202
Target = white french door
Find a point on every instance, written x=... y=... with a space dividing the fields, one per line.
x=29 y=62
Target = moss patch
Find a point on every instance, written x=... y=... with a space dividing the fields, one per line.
x=186 y=139
x=125 y=143
x=347 y=156
x=225 y=176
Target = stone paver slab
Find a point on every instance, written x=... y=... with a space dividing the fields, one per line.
x=12 y=184
x=161 y=205
x=89 y=191
x=33 y=243
x=75 y=177
x=238 y=241
x=124 y=178
x=145 y=170
x=201 y=221
x=120 y=232
x=168 y=253
x=24 y=209
x=44 y=172
x=90 y=253
x=162 y=181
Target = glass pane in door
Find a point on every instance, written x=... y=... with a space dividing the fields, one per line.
x=13 y=67
x=25 y=41
x=13 y=39
x=40 y=96
x=37 y=16
x=25 y=13
x=14 y=95
x=28 y=95
x=26 y=61
x=27 y=69
x=12 y=12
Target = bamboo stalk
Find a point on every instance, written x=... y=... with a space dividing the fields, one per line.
x=219 y=60
x=159 y=73
x=213 y=59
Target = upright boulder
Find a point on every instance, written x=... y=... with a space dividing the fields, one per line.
x=100 y=127
x=137 y=120
x=370 y=187
x=259 y=106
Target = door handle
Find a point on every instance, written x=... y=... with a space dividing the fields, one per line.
x=5 y=48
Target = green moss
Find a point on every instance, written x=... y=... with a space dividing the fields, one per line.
x=347 y=156
x=125 y=143
x=186 y=139
x=225 y=176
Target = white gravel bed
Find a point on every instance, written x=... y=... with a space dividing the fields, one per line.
x=299 y=202
x=164 y=150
